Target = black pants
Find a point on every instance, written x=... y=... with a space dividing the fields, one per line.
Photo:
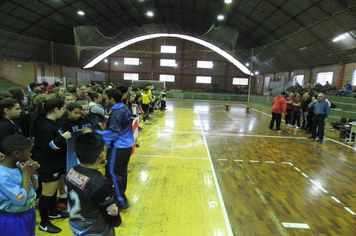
x=296 y=117
x=318 y=122
x=145 y=108
x=163 y=105
x=116 y=170
x=276 y=117
x=310 y=121
x=288 y=116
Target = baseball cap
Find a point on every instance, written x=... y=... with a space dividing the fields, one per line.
x=33 y=85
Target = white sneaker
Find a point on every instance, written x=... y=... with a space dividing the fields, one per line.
x=279 y=131
x=297 y=127
x=145 y=122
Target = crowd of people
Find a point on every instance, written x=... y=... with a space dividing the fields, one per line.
x=34 y=135
x=307 y=112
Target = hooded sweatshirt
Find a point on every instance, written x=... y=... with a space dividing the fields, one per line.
x=50 y=147
x=68 y=125
x=7 y=128
x=279 y=105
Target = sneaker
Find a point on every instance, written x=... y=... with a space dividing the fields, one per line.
x=49 y=228
x=321 y=141
x=291 y=126
x=147 y=118
x=311 y=138
x=151 y=114
x=297 y=127
x=137 y=145
x=59 y=216
x=123 y=206
x=62 y=206
x=279 y=131
x=140 y=129
x=145 y=122
x=271 y=128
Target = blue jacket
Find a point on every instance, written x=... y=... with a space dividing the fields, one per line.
x=118 y=133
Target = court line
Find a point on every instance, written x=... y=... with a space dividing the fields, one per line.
x=349 y=210
x=296 y=225
x=193 y=158
x=222 y=203
x=342 y=162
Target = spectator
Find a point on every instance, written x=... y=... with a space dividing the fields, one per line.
x=290 y=108
x=279 y=106
x=306 y=101
x=296 y=112
x=82 y=91
x=35 y=89
x=347 y=89
x=327 y=87
x=44 y=85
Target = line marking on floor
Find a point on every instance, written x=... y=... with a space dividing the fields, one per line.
x=254 y=161
x=263 y=199
x=348 y=209
x=222 y=159
x=230 y=116
x=304 y=175
x=221 y=200
x=345 y=145
x=239 y=160
x=270 y=162
x=296 y=168
x=286 y=163
x=197 y=158
x=277 y=223
x=296 y=225
x=323 y=190
x=335 y=199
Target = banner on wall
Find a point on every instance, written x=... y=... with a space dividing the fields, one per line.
x=72 y=160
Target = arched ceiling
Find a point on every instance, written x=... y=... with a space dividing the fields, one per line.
x=259 y=22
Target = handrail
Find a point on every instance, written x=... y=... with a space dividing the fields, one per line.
x=278 y=90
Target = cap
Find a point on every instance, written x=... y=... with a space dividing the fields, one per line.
x=45 y=83
x=33 y=85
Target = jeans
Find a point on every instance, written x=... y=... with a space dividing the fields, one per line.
x=305 y=123
x=276 y=117
x=296 y=117
x=318 y=122
x=288 y=116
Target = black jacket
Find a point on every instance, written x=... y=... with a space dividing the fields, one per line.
x=26 y=123
x=68 y=125
x=7 y=128
x=305 y=104
x=50 y=147
x=84 y=122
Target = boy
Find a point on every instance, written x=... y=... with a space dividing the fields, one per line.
x=93 y=207
x=163 y=99
x=17 y=187
x=84 y=119
x=145 y=104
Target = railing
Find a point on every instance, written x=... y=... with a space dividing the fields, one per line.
x=208 y=96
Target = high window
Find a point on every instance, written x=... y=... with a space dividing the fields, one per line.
x=203 y=80
x=205 y=64
x=168 y=49
x=130 y=76
x=240 y=81
x=167 y=78
x=323 y=77
x=132 y=61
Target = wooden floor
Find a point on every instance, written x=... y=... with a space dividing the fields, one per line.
x=200 y=170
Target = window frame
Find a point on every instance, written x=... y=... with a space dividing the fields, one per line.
x=196 y=79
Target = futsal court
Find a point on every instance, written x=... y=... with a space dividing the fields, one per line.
x=201 y=170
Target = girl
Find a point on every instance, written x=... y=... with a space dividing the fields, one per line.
x=96 y=110
x=84 y=119
x=69 y=120
x=60 y=91
x=49 y=150
x=27 y=120
x=19 y=96
x=68 y=98
x=10 y=110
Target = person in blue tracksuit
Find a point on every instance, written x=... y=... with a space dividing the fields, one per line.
x=118 y=138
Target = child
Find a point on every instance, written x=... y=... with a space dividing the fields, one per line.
x=68 y=98
x=93 y=197
x=17 y=187
x=163 y=99
x=145 y=105
x=84 y=119
x=10 y=110
x=69 y=120
x=138 y=101
x=50 y=151
x=60 y=91
x=96 y=110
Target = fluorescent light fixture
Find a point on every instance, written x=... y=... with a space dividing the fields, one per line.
x=150 y=13
x=132 y=61
x=130 y=76
x=220 y=17
x=240 y=81
x=105 y=60
x=168 y=62
x=116 y=63
x=338 y=38
x=203 y=80
x=168 y=49
x=228 y=1
x=80 y=13
x=247 y=64
x=256 y=72
x=167 y=78
x=211 y=46
x=205 y=64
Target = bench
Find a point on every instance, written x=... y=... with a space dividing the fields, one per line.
x=237 y=105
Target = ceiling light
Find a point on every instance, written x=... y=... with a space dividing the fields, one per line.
x=256 y=72
x=228 y=1
x=220 y=17
x=106 y=60
x=247 y=64
x=116 y=63
x=150 y=13
x=81 y=13
x=338 y=38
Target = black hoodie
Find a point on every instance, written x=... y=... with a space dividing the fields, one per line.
x=68 y=125
x=50 y=147
x=7 y=128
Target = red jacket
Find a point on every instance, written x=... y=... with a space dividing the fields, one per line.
x=279 y=105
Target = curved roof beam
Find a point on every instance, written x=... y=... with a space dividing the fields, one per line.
x=122 y=45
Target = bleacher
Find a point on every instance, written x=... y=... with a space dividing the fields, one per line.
x=6 y=84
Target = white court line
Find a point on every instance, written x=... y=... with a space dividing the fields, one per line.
x=254 y=161
x=349 y=210
x=296 y=225
x=230 y=116
x=318 y=185
x=198 y=158
x=222 y=203
x=323 y=190
x=335 y=199
x=286 y=163
x=304 y=175
x=296 y=168
x=270 y=162
x=222 y=159
x=239 y=160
